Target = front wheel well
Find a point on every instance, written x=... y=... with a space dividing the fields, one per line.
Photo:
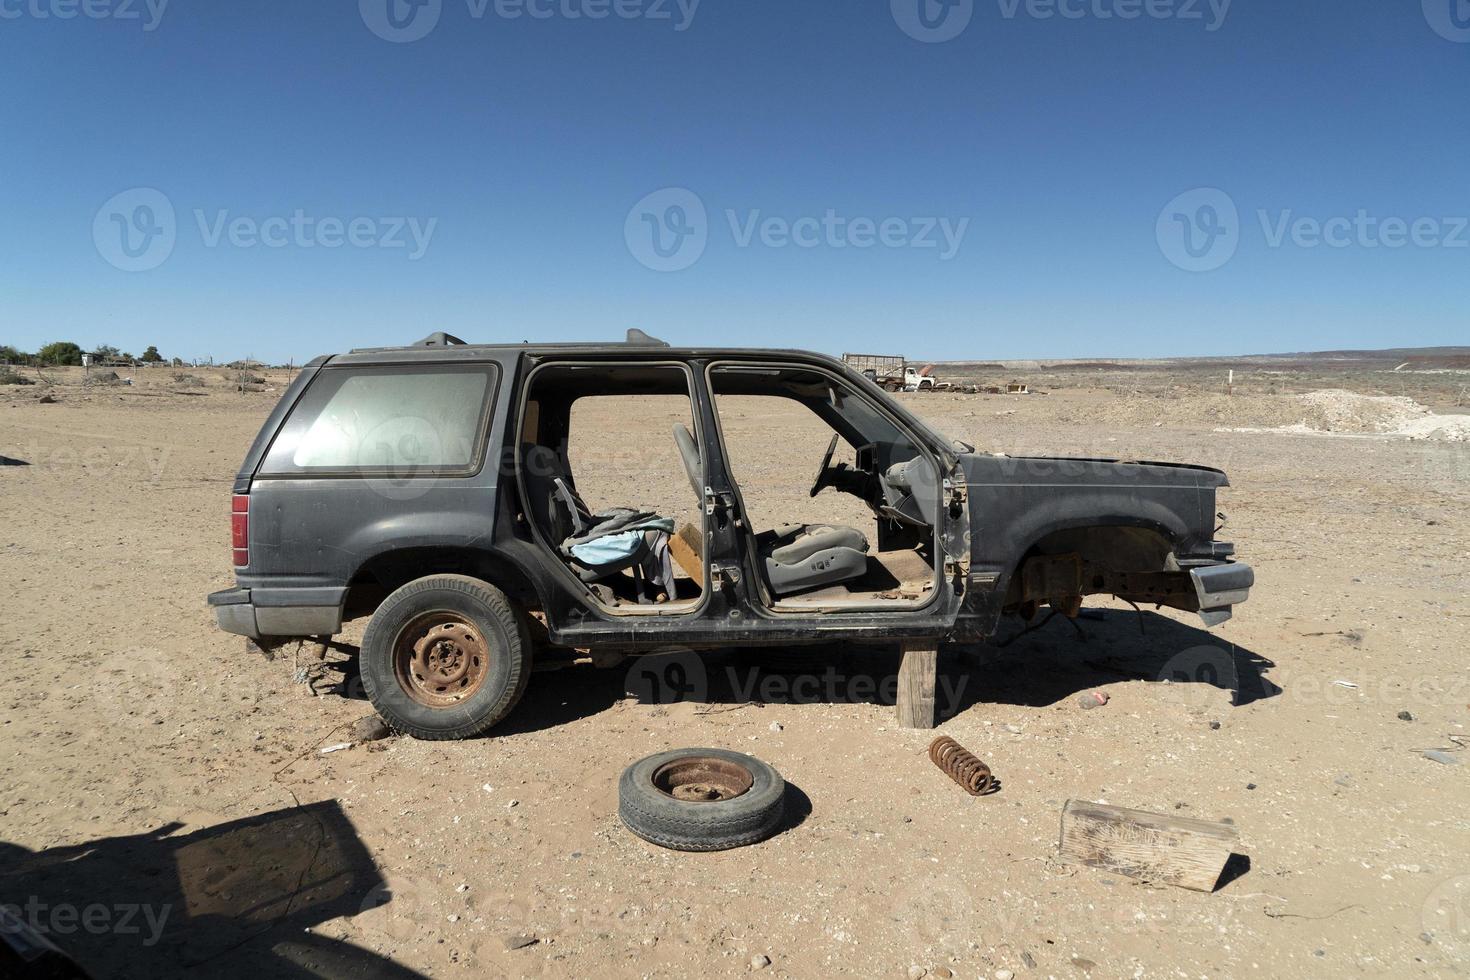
x=1118 y=559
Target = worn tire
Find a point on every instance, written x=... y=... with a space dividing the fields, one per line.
x=660 y=819
x=500 y=623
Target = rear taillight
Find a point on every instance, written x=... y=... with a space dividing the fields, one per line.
x=240 y=529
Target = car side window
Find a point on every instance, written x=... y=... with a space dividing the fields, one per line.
x=397 y=420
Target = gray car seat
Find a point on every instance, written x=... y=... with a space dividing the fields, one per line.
x=556 y=507
x=797 y=557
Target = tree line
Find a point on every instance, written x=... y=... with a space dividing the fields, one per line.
x=63 y=353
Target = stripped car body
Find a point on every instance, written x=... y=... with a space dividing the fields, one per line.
x=999 y=534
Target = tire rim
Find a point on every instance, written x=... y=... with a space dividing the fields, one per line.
x=702 y=779
x=440 y=659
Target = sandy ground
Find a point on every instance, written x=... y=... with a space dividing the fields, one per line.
x=152 y=773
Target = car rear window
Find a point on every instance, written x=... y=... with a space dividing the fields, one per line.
x=403 y=421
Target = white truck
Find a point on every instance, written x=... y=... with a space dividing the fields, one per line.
x=894 y=373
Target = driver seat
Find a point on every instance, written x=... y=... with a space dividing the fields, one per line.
x=797 y=557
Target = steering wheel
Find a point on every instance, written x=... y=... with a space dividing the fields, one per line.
x=823 y=472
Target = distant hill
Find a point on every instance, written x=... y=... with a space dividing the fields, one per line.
x=1415 y=358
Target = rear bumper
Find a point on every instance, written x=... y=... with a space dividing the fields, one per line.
x=239 y=613
x=1221 y=587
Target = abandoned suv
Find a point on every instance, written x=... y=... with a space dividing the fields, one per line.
x=444 y=489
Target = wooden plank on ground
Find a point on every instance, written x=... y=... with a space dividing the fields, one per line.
x=1151 y=846
x=917 y=673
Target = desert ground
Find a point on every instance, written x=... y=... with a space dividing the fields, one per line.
x=166 y=810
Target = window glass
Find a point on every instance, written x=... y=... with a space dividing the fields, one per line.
x=385 y=419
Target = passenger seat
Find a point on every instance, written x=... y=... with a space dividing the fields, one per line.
x=797 y=557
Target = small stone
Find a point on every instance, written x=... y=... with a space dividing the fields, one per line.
x=513 y=803
x=1405 y=716
x=1250 y=785
x=1319 y=952
x=1029 y=960
x=759 y=961
x=453 y=918
x=520 y=942
x=1013 y=729
x=1003 y=975
x=1344 y=780
x=462 y=889
x=370 y=728
x=917 y=973
x=1214 y=726
x=1435 y=755
x=488 y=788
x=908 y=819
x=943 y=972
x=776 y=726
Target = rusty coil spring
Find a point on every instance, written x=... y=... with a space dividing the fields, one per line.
x=960 y=765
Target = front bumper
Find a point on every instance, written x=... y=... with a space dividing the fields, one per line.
x=238 y=613
x=1221 y=587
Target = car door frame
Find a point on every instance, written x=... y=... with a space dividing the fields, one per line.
x=878 y=620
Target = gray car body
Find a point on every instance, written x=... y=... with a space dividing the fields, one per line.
x=323 y=548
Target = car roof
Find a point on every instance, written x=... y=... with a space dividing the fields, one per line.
x=443 y=347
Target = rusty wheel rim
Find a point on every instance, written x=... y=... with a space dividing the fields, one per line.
x=440 y=659
x=702 y=779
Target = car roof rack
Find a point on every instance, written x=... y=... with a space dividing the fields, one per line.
x=635 y=338
x=439 y=339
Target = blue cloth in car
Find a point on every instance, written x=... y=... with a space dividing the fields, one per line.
x=620 y=545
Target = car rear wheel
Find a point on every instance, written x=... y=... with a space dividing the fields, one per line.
x=445 y=657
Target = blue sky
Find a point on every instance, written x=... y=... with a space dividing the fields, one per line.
x=969 y=179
